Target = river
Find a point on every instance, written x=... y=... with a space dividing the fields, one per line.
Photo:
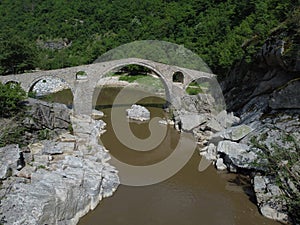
x=188 y=198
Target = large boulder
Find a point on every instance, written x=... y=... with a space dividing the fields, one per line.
x=190 y=121
x=233 y=133
x=222 y=121
x=138 y=112
x=96 y=114
x=240 y=155
x=47 y=115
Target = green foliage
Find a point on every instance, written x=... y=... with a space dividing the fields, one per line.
x=11 y=95
x=12 y=133
x=32 y=94
x=281 y=161
x=135 y=70
x=44 y=134
x=81 y=73
x=70 y=129
x=215 y=30
x=195 y=88
x=17 y=55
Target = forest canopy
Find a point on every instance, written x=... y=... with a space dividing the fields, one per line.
x=61 y=33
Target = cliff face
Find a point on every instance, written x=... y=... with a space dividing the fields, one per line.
x=275 y=67
x=265 y=94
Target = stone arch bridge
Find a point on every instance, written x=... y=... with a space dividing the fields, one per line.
x=83 y=87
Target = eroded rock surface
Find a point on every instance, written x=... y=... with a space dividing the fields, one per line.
x=63 y=180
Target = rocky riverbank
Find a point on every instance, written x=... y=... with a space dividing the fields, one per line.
x=56 y=181
x=263 y=140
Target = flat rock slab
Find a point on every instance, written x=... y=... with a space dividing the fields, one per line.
x=190 y=121
x=233 y=133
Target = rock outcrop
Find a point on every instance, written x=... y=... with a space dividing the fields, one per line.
x=265 y=95
x=63 y=179
x=53 y=116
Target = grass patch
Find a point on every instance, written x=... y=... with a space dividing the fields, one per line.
x=195 y=88
x=130 y=78
x=150 y=83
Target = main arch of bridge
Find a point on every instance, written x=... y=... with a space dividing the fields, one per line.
x=83 y=87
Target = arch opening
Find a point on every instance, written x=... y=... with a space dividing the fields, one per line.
x=81 y=75
x=12 y=82
x=135 y=77
x=178 y=77
x=52 y=89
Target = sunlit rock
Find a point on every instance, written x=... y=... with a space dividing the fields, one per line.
x=137 y=112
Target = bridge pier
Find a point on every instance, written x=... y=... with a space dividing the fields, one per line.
x=83 y=98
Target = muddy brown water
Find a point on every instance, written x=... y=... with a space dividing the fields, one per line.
x=188 y=198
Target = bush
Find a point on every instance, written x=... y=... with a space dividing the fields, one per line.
x=12 y=133
x=11 y=95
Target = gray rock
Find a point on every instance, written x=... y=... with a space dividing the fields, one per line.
x=240 y=155
x=61 y=190
x=233 y=133
x=47 y=115
x=214 y=125
x=67 y=137
x=9 y=156
x=87 y=128
x=220 y=164
x=209 y=152
x=51 y=148
x=287 y=97
x=137 y=112
x=96 y=114
x=267 y=194
x=190 y=121
x=226 y=120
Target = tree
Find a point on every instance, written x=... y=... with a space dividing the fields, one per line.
x=17 y=55
x=11 y=95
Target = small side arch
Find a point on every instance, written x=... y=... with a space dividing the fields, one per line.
x=12 y=82
x=178 y=77
x=81 y=75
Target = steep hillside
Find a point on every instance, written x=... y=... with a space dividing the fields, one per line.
x=62 y=33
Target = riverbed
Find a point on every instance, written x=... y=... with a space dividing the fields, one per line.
x=188 y=198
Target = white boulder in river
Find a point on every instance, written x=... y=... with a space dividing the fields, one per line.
x=138 y=112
